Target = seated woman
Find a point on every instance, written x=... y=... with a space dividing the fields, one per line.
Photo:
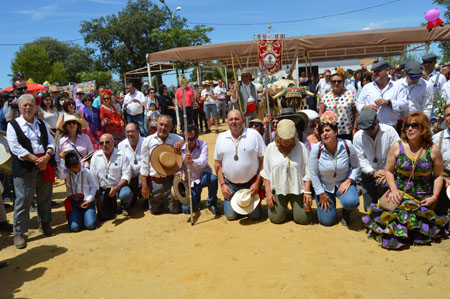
x=414 y=173
x=74 y=140
x=81 y=189
x=285 y=175
x=334 y=167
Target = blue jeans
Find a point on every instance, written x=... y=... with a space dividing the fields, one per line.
x=207 y=180
x=25 y=187
x=138 y=119
x=125 y=195
x=80 y=217
x=349 y=201
x=228 y=210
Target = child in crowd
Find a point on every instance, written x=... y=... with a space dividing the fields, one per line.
x=81 y=189
x=152 y=117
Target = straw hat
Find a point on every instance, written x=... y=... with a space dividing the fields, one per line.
x=179 y=190
x=286 y=129
x=243 y=203
x=88 y=156
x=448 y=191
x=72 y=118
x=165 y=161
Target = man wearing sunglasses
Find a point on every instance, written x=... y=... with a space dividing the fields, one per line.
x=111 y=170
x=419 y=92
x=383 y=95
x=433 y=77
x=372 y=143
x=201 y=172
x=11 y=108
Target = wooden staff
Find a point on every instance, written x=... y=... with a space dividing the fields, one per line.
x=183 y=83
x=235 y=80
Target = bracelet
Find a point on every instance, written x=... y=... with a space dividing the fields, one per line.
x=437 y=195
x=307 y=192
x=351 y=181
x=221 y=185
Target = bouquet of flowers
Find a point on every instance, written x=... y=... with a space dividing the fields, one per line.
x=329 y=117
x=438 y=103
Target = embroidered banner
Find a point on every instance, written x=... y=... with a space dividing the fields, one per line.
x=270 y=52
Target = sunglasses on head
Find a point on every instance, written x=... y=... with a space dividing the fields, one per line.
x=104 y=142
x=412 y=125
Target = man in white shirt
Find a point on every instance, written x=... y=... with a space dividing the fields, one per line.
x=209 y=106
x=156 y=187
x=324 y=85
x=442 y=139
x=220 y=91
x=433 y=77
x=111 y=170
x=419 y=92
x=238 y=161
x=32 y=148
x=134 y=104
x=131 y=147
x=383 y=95
x=245 y=97
x=372 y=143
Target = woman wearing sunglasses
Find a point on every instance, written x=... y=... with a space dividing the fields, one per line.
x=414 y=173
x=342 y=102
x=109 y=117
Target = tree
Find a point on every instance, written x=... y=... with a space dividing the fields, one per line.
x=122 y=40
x=33 y=61
x=58 y=73
x=444 y=46
x=101 y=78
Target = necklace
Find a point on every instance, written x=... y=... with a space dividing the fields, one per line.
x=236 y=145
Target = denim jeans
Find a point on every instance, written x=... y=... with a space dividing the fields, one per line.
x=138 y=119
x=221 y=109
x=228 y=210
x=125 y=196
x=25 y=187
x=207 y=180
x=349 y=201
x=80 y=217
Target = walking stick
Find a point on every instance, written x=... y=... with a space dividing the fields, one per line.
x=235 y=80
x=183 y=83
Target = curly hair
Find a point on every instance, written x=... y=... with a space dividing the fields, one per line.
x=323 y=125
x=424 y=122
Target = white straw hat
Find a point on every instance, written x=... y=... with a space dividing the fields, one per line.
x=243 y=203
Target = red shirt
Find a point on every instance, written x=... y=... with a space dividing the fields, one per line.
x=188 y=96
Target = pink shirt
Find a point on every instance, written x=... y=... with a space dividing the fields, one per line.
x=188 y=96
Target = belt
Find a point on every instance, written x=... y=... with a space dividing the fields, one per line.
x=136 y=114
x=153 y=178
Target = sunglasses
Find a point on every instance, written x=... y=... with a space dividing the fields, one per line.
x=22 y=88
x=415 y=77
x=336 y=81
x=71 y=103
x=192 y=138
x=104 y=142
x=255 y=125
x=412 y=125
x=71 y=123
x=152 y=92
x=107 y=98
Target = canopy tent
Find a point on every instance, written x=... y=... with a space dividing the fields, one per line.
x=149 y=70
x=307 y=49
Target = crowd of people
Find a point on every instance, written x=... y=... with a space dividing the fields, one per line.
x=363 y=132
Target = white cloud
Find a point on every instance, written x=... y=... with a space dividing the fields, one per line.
x=376 y=25
x=40 y=13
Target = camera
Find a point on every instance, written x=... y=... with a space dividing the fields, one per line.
x=7 y=96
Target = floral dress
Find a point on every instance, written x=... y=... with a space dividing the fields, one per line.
x=343 y=106
x=111 y=123
x=409 y=222
x=93 y=130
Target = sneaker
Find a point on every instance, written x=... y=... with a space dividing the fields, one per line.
x=5 y=226
x=45 y=228
x=217 y=131
x=345 y=217
x=20 y=242
x=125 y=212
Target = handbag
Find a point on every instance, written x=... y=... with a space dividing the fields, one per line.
x=384 y=201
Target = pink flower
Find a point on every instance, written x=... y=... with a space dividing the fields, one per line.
x=329 y=117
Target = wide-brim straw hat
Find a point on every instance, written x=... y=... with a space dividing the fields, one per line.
x=243 y=203
x=165 y=161
x=88 y=156
x=179 y=190
x=72 y=118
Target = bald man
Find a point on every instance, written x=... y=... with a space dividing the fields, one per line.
x=111 y=170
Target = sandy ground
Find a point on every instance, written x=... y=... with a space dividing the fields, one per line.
x=149 y=256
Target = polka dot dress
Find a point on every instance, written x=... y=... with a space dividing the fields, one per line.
x=342 y=105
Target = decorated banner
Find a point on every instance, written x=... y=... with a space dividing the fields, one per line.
x=270 y=52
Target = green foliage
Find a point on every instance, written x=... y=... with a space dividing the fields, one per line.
x=101 y=78
x=33 y=61
x=58 y=72
x=444 y=46
x=122 y=40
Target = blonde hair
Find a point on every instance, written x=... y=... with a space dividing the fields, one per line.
x=278 y=140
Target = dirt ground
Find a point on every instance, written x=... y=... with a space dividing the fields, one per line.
x=163 y=256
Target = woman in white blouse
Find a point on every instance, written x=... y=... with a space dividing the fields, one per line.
x=49 y=113
x=285 y=175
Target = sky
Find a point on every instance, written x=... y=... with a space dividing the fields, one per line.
x=26 y=20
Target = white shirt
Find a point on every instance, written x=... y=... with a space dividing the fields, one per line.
x=250 y=147
x=323 y=87
x=419 y=96
x=82 y=182
x=220 y=92
x=150 y=143
x=132 y=155
x=394 y=92
x=446 y=91
x=286 y=174
x=110 y=173
x=34 y=137
x=433 y=76
x=135 y=108
x=445 y=149
x=372 y=153
x=209 y=100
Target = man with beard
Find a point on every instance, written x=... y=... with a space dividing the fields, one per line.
x=238 y=156
x=155 y=186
